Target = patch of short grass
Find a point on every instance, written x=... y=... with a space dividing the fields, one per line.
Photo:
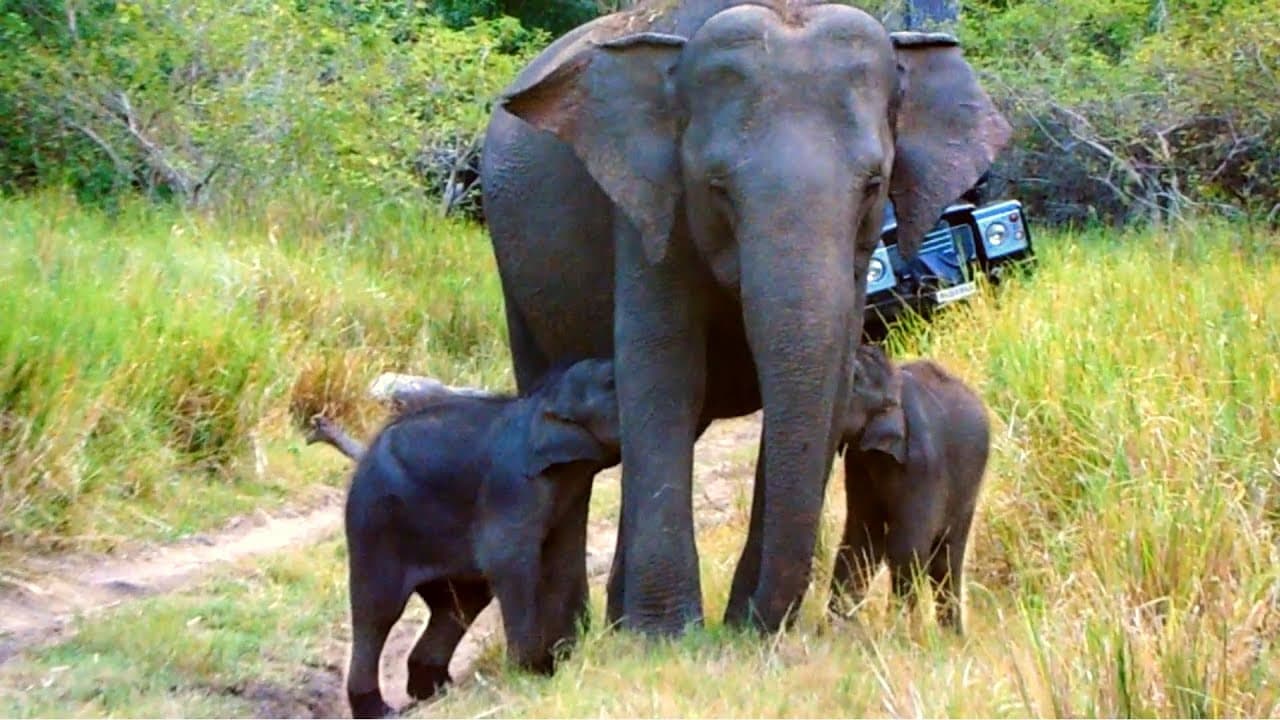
x=151 y=362
x=251 y=642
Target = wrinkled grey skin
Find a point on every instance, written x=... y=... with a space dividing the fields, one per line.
x=455 y=500
x=695 y=190
x=918 y=441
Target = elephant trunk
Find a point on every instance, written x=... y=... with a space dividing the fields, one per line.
x=802 y=306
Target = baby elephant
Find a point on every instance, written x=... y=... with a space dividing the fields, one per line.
x=456 y=500
x=916 y=442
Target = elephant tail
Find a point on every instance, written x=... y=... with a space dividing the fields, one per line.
x=325 y=430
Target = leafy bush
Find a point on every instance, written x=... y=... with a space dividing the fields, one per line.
x=554 y=16
x=1129 y=109
x=246 y=99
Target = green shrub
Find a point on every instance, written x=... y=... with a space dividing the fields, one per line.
x=242 y=100
x=1128 y=109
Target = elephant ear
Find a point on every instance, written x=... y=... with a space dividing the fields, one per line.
x=554 y=440
x=887 y=433
x=612 y=102
x=948 y=132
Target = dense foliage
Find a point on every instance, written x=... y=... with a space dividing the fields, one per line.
x=1129 y=109
x=247 y=98
x=1125 y=109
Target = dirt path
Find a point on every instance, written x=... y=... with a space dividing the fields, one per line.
x=39 y=602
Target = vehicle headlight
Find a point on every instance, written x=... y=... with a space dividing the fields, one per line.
x=875 y=270
x=996 y=232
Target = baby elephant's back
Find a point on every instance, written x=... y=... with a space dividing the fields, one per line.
x=443 y=444
x=957 y=420
x=428 y=464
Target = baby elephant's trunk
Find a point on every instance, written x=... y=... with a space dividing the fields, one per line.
x=327 y=431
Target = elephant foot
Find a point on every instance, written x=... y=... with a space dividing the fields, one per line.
x=545 y=667
x=672 y=623
x=738 y=612
x=762 y=618
x=537 y=662
x=369 y=705
x=615 y=595
x=744 y=618
x=426 y=680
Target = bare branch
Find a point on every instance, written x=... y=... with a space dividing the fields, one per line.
x=157 y=158
x=71 y=21
x=122 y=167
x=451 y=197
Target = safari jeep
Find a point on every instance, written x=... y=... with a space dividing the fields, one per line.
x=969 y=240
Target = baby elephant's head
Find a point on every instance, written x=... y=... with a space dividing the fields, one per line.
x=875 y=419
x=576 y=417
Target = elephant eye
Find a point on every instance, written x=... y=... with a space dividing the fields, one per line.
x=872 y=185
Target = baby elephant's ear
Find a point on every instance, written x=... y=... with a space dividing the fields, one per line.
x=554 y=440
x=887 y=433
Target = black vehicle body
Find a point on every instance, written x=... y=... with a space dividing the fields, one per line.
x=969 y=240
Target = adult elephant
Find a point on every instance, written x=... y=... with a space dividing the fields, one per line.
x=696 y=190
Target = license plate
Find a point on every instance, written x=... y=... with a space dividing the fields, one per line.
x=956 y=292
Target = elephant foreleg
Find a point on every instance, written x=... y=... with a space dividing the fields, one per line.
x=660 y=352
x=860 y=554
x=564 y=575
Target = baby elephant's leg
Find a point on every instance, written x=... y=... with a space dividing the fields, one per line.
x=509 y=552
x=516 y=580
x=907 y=554
x=454 y=606
x=862 y=546
x=946 y=573
x=564 y=576
x=377 y=600
x=859 y=556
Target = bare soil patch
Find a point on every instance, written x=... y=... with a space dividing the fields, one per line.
x=41 y=596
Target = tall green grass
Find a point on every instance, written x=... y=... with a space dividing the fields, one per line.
x=1126 y=555
x=1125 y=559
x=149 y=359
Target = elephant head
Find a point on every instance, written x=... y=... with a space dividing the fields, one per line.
x=810 y=101
x=874 y=417
x=575 y=417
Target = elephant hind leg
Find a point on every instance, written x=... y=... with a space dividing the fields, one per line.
x=454 y=606
x=747 y=574
x=377 y=600
x=527 y=359
x=946 y=575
